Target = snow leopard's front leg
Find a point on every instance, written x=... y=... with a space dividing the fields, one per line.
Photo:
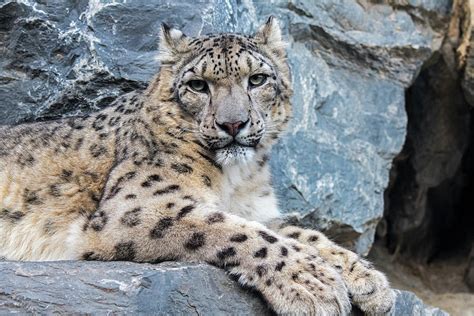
x=147 y=216
x=290 y=279
x=368 y=288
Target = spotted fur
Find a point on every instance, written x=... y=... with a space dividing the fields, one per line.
x=180 y=172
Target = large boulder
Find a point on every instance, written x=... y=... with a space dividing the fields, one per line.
x=132 y=288
x=351 y=62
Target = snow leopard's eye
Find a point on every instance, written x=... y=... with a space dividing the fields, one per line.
x=198 y=86
x=257 y=80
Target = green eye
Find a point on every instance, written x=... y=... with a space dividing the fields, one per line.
x=198 y=85
x=257 y=80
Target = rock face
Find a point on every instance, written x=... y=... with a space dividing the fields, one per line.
x=408 y=304
x=124 y=287
x=429 y=202
x=351 y=62
x=433 y=168
x=469 y=273
x=465 y=48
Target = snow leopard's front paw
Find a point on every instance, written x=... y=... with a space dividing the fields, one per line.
x=296 y=282
x=368 y=288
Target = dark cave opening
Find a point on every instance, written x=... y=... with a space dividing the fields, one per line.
x=430 y=198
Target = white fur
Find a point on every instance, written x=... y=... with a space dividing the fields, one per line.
x=170 y=45
x=74 y=239
x=26 y=240
x=233 y=155
x=243 y=191
x=25 y=243
x=270 y=34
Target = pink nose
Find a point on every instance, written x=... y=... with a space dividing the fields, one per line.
x=232 y=128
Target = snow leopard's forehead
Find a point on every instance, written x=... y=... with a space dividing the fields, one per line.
x=227 y=56
x=222 y=51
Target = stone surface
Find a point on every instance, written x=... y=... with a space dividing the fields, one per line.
x=424 y=206
x=429 y=202
x=351 y=62
x=122 y=287
x=466 y=50
x=408 y=304
x=132 y=288
x=469 y=273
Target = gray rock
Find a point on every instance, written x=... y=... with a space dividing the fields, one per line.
x=429 y=201
x=351 y=62
x=425 y=200
x=469 y=272
x=465 y=52
x=409 y=304
x=122 y=287
x=468 y=82
x=350 y=115
x=131 y=288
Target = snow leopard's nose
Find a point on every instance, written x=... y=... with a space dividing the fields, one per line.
x=232 y=128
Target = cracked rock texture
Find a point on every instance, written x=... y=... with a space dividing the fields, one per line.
x=351 y=62
x=124 y=287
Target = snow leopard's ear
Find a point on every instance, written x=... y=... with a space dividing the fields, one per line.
x=173 y=43
x=269 y=35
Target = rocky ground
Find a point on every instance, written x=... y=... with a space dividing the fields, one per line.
x=125 y=287
x=439 y=283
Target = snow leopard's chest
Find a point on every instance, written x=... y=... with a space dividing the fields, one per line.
x=246 y=191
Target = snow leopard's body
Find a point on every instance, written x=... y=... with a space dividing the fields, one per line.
x=180 y=173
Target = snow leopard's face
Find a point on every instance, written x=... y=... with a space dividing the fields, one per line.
x=235 y=88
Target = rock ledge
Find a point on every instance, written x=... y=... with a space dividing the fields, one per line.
x=125 y=287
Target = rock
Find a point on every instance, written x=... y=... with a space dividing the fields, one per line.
x=424 y=198
x=350 y=115
x=130 y=288
x=408 y=304
x=122 y=287
x=469 y=272
x=429 y=201
x=468 y=80
x=351 y=61
x=465 y=50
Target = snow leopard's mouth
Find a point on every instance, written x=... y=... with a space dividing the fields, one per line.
x=234 y=153
x=236 y=143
